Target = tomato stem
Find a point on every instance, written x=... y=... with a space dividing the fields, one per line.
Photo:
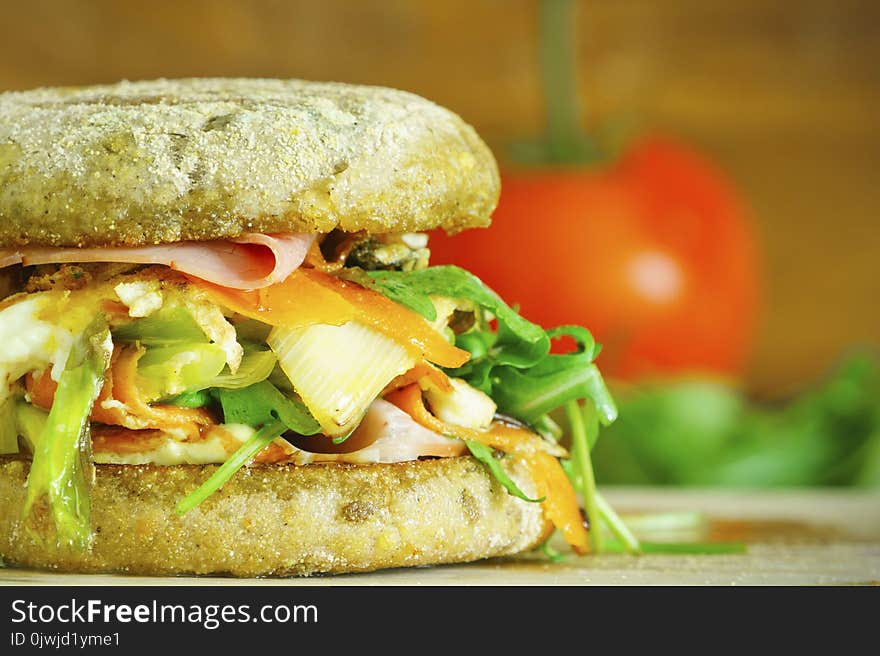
x=565 y=143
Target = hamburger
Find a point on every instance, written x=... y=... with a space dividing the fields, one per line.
x=224 y=350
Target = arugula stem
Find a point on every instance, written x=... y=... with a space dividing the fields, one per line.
x=664 y=522
x=683 y=548
x=581 y=453
x=258 y=441
x=485 y=455
x=618 y=528
x=551 y=553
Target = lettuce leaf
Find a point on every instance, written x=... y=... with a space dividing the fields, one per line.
x=198 y=399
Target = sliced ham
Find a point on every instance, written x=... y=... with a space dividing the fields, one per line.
x=251 y=261
x=8 y=258
x=387 y=434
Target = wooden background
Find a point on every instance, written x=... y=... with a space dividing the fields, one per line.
x=785 y=95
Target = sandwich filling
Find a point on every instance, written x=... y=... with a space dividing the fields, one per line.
x=293 y=348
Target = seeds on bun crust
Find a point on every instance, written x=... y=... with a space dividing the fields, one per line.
x=161 y=161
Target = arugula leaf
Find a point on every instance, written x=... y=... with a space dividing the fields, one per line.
x=552 y=555
x=198 y=399
x=412 y=289
x=584 y=428
x=527 y=393
x=398 y=289
x=485 y=455
x=512 y=364
x=259 y=405
x=681 y=548
x=617 y=526
x=262 y=404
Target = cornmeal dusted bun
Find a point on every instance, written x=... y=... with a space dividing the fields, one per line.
x=195 y=159
x=284 y=519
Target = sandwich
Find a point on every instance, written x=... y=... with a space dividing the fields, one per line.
x=224 y=350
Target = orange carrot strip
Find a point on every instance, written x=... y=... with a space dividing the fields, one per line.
x=560 y=504
x=309 y=296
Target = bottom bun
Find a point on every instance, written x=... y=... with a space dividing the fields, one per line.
x=283 y=519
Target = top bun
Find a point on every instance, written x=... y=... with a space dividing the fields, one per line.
x=193 y=159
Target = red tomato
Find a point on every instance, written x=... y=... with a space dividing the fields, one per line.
x=654 y=254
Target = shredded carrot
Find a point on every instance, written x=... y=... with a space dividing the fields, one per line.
x=120 y=402
x=560 y=504
x=122 y=441
x=309 y=296
x=422 y=370
x=41 y=389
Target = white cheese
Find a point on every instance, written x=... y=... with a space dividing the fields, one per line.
x=212 y=450
x=415 y=240
x=463 y=406
x=29 y=343
x=143 y=297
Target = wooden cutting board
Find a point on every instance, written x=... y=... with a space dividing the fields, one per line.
x=793 y=537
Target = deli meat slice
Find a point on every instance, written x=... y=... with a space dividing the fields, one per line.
x=386 y=434
x=250 y=261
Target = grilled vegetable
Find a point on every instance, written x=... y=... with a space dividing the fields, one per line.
x=338 y=370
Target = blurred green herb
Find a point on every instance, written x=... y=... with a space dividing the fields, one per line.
x=707 y=433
